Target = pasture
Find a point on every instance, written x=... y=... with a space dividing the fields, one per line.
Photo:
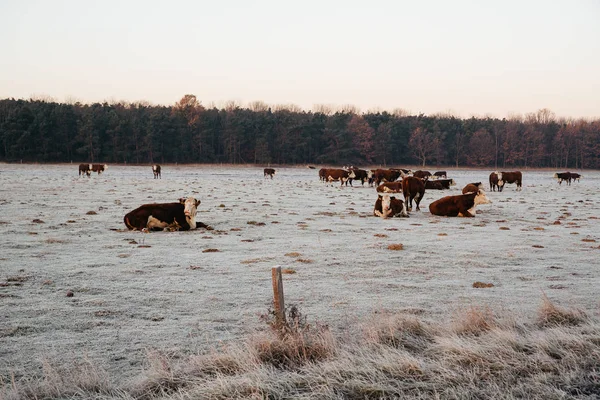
x=182 y=293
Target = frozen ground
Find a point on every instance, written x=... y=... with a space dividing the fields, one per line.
x=175 y=292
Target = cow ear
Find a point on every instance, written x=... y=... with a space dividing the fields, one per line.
x=393 y=198
x=379 y=197
x=182 y=200
x=197 y=203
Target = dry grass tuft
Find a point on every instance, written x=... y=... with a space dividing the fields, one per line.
x=474 y=321
x=480 y=285
x=397 y=246
x=288 y=271
x=549 y=315
x=293 y=254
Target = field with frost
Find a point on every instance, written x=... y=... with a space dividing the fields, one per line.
x=185 y=292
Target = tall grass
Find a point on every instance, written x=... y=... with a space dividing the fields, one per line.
x=477 y=354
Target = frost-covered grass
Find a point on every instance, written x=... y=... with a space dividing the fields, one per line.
x=152 y=302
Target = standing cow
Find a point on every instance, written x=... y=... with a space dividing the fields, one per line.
x=496 y=181
x=413 y=189
x=269 y=172
x=156 y=171
x=99 y=168
x=85 y=169
x=513 y=177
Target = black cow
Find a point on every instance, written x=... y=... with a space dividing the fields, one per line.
x=165 y=216
x=269 y=172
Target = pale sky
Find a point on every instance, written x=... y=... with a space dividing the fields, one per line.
x=467 y=57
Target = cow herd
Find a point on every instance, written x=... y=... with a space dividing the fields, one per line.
x=410 y=187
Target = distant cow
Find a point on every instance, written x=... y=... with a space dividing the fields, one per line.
x=413 y=189
x=440 y=174
x=358 y=174
x=389 y=207
x=440 y=184
x=165 y=216
x=390 y=187
x=386 y=175
x=472 y=187
x=99 y=168
x=269 y=172
x=85 y=169
x=462 y=205
x=334 y=174
x=496 y=181
x=513 y=177
x=566 y=176
x=156 y=171
x=576 y=176
x=421 y=174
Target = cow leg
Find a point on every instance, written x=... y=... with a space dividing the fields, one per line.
x=156 y=224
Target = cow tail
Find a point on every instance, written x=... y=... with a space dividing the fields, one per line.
x=128 y=224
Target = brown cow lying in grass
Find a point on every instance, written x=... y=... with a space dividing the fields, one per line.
x=165 y=216
x=462 y=205
x=389 y=207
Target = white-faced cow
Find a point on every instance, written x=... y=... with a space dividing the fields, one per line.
x=440 y=174
x=389 y=207
x=165 y=216
x=439 y=184
x=99 y=168
x=334 y=174
x=156 y=171
x=358 y=174
x=512 y=177
x=472 y=187
x=462 y=205
x=269 y=172
x=390 y=187
x=85 y=169
x=413 y=189
x=496 y=181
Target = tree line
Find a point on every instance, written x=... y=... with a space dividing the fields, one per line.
x=187 y=132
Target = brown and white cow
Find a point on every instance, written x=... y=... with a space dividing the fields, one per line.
x=386 y=175
x=421 y=174
x=496 y=181
x=99 y=168
x=439 y=184
x=413 y=189
x=512 y=177
x=165 y=216
x=462 y=205
x=85 y=169
x=269 y=172
x=358 y=174
x=390 y=187
x=156 y=171
x=334 y=174
x=440 y=174
x=389 y=206
x=472 y=187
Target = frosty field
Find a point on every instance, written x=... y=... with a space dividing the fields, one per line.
x=186 y=292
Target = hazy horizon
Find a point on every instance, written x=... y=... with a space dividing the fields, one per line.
x=464 y=58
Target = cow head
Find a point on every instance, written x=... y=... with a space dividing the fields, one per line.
x=190 y=208
x=351 y=174
x=386 y=206
x=481 y=198
x=452 y=182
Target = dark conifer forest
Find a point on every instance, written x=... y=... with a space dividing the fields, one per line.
x=50 y=132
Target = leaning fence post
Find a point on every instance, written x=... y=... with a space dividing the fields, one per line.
x=278 y=301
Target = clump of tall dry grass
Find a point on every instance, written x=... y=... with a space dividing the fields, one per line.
x=476 y=353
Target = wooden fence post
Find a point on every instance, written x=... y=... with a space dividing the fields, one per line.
x=278 y=298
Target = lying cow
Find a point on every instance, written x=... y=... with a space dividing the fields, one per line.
x=440 y=174
x=99 y=168
x=389 y=207
x=462 y=205
x=413 y=189
x=472 y=187
x=85 y=169
x=269 y=172
x=440 y=184
x=165 y=216
x=390 y=187
x=496 y=181
x=156 y=171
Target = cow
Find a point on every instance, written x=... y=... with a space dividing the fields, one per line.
x=462 y=205
x=496 y=181
x=85 y=169
x=99 y=168
x=513 y=177
x=361 y=174
x=472 y=187
x=439 y=184
x=421 y=174
x=334 y=174
x=389 y=207
x=156 y=171
x=390 y=187
x=413 y=189
x=576 y=176
x=566 y=176
x=165 y=216
x=440 y=174
x=387 y=175
x=269 y=172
